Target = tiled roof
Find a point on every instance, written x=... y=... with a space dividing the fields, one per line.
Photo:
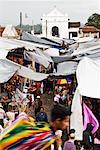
x=88 y=29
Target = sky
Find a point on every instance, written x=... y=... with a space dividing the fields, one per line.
x=77 y=10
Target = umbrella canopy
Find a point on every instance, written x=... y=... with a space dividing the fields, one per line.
x=62 y=81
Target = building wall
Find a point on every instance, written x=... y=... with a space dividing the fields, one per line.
x=91 y=34
x=59 y=21
x=73 y=30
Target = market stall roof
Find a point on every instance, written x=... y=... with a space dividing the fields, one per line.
x=88 y=77
x=28 y=46
x=20 y=43
x=66 y=68
x=29 y=37
x=10 y=44
x=10 y=68
x=50 y=40
x=52 y=52
x=7 y=70
x=86 y=47
x=59 y=59
x=84 y=39
x=7 y=44
x=95 y=55
x=29 y=73
x=36 y=45
x=32 y=56
x=3 y=53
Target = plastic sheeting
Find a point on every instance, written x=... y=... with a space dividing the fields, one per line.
x=87 y=47
x=37 y=58
x=66 y=68
x=7 y=44
x=28 y=73
x=29 y=37
x=88 y=77
x=52 y=52
x=9 y=68
x=76 y=120
x=3 y=54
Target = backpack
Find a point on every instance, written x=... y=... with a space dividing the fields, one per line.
x=41 y=116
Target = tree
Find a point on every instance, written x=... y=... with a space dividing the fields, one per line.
x=94 y=20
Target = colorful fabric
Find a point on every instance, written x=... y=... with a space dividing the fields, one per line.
x=26 y=134
x=61 y=81
x=90 y=118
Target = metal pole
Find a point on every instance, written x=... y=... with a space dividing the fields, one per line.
x=21 y=24
x=46 y=28
x=32 y=27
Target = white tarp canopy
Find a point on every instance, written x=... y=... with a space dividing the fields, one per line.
x=88 y=78
x=84 y=39
x=66 y=68
x=29 y=37
x=10 y=32
x=29 y=73
x=30 y=45
x=7 y=44
x=9 y=68
x=87 y=47
x=76 y=120
x=36 y=58
x=14 y=43
x=3 y=53
x=52 y=52
x=44 y=55
x=83 y=51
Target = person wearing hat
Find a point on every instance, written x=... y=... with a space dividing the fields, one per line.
x=38 y=104
x=2 y=115
x=69 y=145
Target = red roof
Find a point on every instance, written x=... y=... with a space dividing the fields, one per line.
x=88 y=29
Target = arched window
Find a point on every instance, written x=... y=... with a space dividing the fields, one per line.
x=55 y=31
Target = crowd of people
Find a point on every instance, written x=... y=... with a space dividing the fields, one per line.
x=59 y=122
x=31 y=100
x=64 y=93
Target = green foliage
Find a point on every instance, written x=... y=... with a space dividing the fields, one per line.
x=94 y=20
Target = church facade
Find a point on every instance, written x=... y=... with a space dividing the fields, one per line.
x=55 y=24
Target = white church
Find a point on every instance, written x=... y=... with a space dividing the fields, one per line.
x=56 y=24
